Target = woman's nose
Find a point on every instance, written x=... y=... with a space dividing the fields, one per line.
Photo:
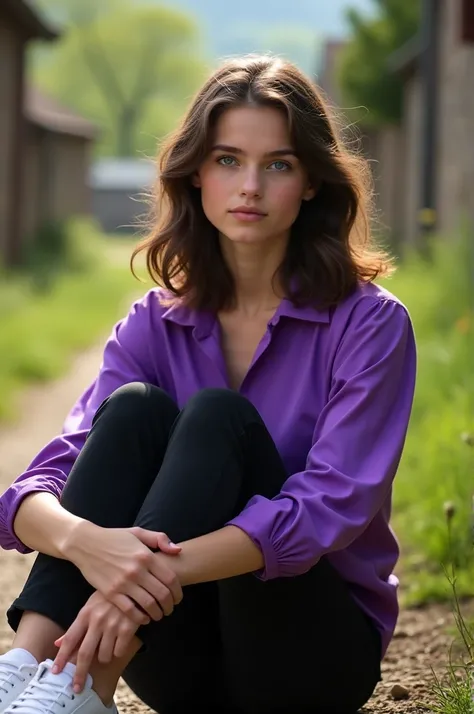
x=251 y=183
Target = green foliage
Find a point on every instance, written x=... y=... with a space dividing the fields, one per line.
x=57 y=247
x=127 y=66
x=437 y=465
x=365 y=77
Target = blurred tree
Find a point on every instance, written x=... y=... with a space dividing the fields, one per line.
x=363 y=72
x=75 y=12
x=130 y=67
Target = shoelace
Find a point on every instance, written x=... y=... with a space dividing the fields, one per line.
x=7 y=669
x=39 y=695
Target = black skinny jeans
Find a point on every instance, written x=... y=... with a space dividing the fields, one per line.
x=294 y=645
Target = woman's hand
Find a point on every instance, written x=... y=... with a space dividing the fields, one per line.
x=118 y=563
x=101 y=630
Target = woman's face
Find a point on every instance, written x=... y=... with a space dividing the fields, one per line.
x=252 y=167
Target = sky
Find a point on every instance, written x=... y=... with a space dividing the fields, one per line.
x=293 y=28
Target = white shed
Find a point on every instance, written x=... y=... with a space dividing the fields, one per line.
x=119 y=188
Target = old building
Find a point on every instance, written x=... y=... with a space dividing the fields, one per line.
x=396 y=152
x=18 y=26
x=453 y=149
x=44 y=148
x=120 y=189
x=57 y=152
x=455 y=144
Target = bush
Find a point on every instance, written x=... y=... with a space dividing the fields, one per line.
x=58 y=246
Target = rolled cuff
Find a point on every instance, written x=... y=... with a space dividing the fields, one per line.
x=257 y=522
x=8 y=537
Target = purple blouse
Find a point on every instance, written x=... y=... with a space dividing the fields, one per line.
x=335 y=389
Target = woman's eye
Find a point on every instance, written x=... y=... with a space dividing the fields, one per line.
x=280 y=165
x=226 y=160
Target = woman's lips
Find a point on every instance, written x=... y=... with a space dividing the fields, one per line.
x=248 y=216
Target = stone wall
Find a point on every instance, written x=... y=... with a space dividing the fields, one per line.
x=455 y=150
x=397 y=155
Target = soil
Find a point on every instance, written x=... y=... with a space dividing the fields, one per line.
x=422 y=639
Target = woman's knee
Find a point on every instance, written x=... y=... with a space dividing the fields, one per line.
x=137 y=400
x=215 y=405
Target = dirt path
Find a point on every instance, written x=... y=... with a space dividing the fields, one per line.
x=43 y=408
x=421 y=640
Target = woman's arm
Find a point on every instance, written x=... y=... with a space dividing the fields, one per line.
x=215 y=556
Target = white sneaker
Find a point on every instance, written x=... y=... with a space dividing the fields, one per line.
x=49 y=693
x=17 y=669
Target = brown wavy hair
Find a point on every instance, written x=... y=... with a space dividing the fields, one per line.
x=331 y=247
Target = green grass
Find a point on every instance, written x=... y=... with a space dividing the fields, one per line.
x=47 y=317
x=438 y=463
x=453 y=691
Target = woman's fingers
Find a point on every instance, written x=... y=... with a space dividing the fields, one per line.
x=85 y=656
x=129 y=608
x=147 y=601
x=166 y=546
x=125 y=635
x=160 y=592
x=107 y=646
x=156 y=540
x=68 y=643
x=99 y=629
x=167 y=578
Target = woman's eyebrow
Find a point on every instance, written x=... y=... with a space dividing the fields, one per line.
x=236 y=150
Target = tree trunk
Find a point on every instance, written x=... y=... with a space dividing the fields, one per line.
x=126 y=122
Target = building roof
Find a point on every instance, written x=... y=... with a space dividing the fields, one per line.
x=44 y=111
x=28 y=19
x=122 y=174
x=327 y=78
x=405 y=59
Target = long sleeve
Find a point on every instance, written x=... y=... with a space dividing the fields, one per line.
x=125 y=359
x=357 y=445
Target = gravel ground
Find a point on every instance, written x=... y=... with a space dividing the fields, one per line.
x=422 y=640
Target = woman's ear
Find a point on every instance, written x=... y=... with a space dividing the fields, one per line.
x=311 y=191
x=196 y=180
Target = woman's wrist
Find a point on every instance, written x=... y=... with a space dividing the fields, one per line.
x=43 y=525
x=77 y=539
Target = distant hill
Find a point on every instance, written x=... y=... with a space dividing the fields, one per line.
x=294 y=28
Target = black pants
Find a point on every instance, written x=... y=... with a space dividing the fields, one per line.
x=238 y=645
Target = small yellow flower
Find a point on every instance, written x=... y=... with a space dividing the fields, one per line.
x=463 y=324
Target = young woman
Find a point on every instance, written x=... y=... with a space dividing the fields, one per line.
x=213 y=521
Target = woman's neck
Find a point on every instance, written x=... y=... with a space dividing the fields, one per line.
x=253 y=268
